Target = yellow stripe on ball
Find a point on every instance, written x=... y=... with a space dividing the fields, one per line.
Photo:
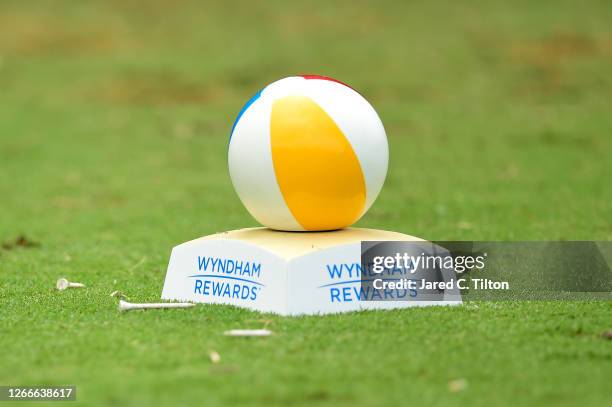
x=316 y=168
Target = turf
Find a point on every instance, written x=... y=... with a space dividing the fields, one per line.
x=114 y=121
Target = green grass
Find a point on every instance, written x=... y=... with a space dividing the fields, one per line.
x=114 y=120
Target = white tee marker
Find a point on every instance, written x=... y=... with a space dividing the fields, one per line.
x=127 y=306
x=63 y=284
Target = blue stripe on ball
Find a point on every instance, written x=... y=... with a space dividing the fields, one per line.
x=244 y=109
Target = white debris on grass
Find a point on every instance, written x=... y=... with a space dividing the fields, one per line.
x=457 y=385
x=214 y=357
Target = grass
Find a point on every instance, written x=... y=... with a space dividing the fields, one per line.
x=114 y=119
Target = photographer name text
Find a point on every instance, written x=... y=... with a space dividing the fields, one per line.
x=424 y=284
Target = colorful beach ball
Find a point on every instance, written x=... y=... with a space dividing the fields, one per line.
x=308 y=153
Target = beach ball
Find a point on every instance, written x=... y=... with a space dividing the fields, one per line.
x=307 y=153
